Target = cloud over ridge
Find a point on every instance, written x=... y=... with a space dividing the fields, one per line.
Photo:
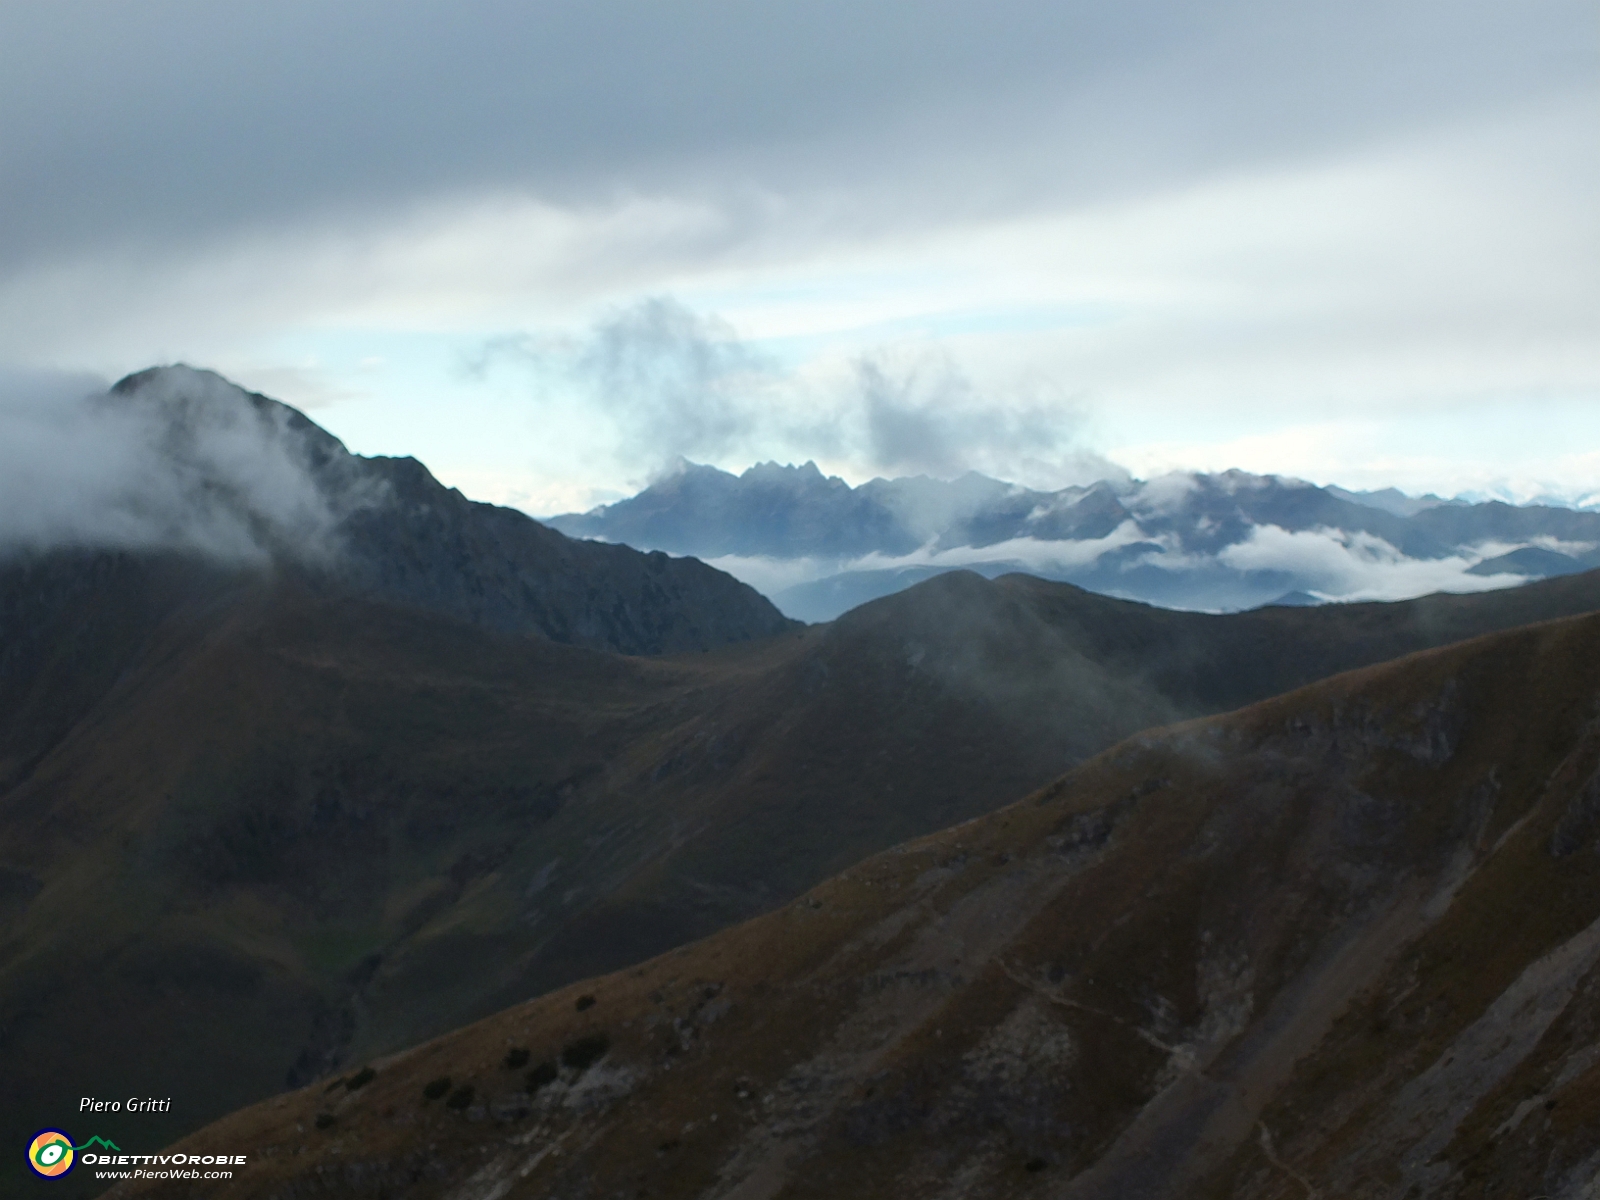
x=178 y=460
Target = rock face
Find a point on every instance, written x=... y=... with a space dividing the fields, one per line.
x=385 y=528
x=499 y=569
x=1345 y=942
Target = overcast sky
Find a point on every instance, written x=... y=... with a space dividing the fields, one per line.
x=545 y=247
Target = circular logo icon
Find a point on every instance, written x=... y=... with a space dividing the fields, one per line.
x=50 y=1153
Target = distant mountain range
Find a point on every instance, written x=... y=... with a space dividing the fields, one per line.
x=1230 y=541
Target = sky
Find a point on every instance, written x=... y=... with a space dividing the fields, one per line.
x=549 y=248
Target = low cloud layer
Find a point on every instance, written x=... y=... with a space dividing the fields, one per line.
x=1329 y=565
x=184 y=463
x=1335 y=564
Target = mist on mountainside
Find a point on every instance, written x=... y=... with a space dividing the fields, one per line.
x=819 y=546
x=180 y=460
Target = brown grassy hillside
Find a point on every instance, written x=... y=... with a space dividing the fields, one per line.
x=1345 y=942
x=235 y=801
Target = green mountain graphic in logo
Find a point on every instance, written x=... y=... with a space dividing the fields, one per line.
x=99 y=1141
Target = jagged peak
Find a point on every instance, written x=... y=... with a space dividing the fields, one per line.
x=806 y=472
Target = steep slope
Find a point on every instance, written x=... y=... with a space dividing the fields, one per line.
x=1343 y=942
x=276 y=795
x=73 y=624
x=348 y=825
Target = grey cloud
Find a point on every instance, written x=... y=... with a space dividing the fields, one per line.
x=184 y=463
x=139 y=127
x=911 y=433
x=678 y=385
x=675 y=374
x=673 y=383
x=930 y=419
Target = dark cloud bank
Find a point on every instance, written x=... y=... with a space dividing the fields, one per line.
x=143 y=126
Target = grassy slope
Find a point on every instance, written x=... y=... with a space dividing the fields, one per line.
x=344 y=826
x=1204 y=963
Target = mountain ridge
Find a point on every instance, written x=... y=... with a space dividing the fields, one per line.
x=1341 y=941
x=353 y=824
